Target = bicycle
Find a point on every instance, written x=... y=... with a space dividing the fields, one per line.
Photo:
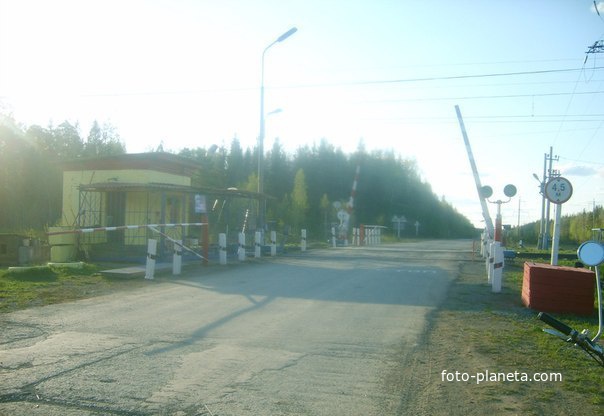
x=591 y=253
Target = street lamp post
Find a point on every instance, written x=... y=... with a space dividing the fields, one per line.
x=261 y=208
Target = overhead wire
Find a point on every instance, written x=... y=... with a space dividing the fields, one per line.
x=345 y=83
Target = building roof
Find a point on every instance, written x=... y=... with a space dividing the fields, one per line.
x=150 y=187
x=157 y=161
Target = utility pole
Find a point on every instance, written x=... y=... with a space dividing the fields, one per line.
x=550 y=174
x=518 y=227
x=597 y=47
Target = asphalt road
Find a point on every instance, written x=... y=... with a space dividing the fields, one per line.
x=315 y=333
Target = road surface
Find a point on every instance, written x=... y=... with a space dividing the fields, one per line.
x=314 y=333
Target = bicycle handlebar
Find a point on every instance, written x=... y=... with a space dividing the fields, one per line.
x=592 y=348
x=554 y=323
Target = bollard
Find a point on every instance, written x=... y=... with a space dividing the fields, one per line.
x=273 y=243
x=177 y=258
x=241 y=247
x=257 y=246
x=303 y=242
x=497 y=268
x=333 y=237
x=492 y=251
x=222 y=248
x=151 y=257
x=489 y=260
x=493 y=247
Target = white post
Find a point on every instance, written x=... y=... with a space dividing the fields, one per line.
x=491 y=259
x=556 y=237
x=333 y=237
x=303 y=242
x=273 y=243
x=497 y=268
x=487 y=246
x=177 y=258
x=257 y=246
x=379 y=234
x=151 y=256
x=222 y=247
x=241 y=248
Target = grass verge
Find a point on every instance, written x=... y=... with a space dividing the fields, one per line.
x=44 y=285
x=476 y=330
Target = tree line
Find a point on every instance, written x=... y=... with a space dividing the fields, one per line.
x=574 y=228
x=304 y=186
x=30 y=169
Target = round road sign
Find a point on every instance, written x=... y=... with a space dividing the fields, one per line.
x=558 y=190
x=591 y=253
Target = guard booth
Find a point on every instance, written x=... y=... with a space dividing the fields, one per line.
x=116 y=198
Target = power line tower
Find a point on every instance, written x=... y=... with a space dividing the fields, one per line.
x=597 y=47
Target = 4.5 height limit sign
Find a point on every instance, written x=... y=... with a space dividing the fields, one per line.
x=557 y=190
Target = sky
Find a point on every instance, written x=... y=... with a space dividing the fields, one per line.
x=385 y=73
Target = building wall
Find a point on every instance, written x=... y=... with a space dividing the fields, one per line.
x=73 y=179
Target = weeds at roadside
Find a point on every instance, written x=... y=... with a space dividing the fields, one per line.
x=44 y=285
x=521 y=344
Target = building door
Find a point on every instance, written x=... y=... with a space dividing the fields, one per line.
x=116 y=215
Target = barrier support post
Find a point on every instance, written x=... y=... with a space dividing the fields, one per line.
x=492 y=253
x=497 y=268
x=273 y=243
x=257 y=246
x=177 y=258
x=222 y=248
x=205 y=238
x=151 y=257
x=241 y=247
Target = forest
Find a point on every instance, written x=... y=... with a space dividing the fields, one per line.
x=304 y=185
x=574 y=228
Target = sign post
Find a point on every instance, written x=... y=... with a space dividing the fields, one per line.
x=557 y=190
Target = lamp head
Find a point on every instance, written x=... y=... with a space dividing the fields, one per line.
x=287 y=34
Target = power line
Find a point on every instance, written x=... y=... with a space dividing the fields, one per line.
x=349 y=83
x=488 y=97
x=589 y=162
x=442 y=78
